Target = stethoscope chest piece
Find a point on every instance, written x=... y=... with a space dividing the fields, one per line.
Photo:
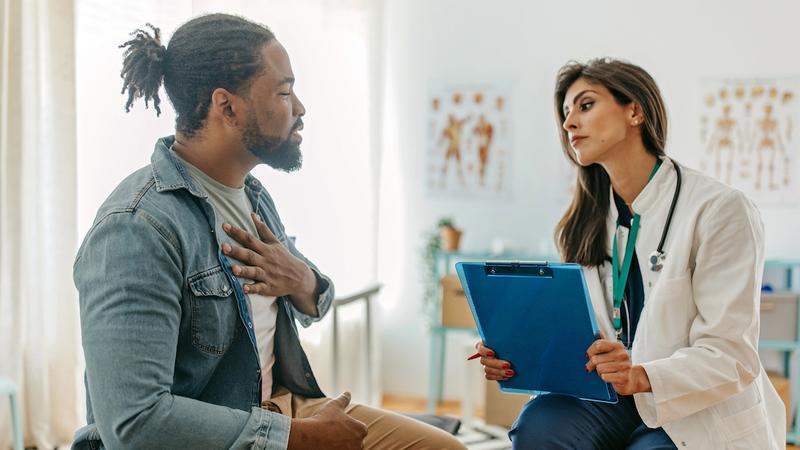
x=656 y=261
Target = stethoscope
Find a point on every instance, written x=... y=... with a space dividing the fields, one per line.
x=657 y=257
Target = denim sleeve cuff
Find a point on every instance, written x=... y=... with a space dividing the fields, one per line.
x=265 y=430
x=324 y=300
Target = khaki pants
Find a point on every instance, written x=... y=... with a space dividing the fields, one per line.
x=385 y=430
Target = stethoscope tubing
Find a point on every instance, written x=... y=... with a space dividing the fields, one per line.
x=675 y=196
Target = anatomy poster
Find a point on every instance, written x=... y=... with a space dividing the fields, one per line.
x=748 y=130
x=469 y=142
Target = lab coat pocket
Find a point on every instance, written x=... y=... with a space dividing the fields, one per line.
x=743 y=420
x=746 y=429
x=669 y=311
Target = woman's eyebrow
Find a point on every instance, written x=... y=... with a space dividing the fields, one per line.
x=578 y=97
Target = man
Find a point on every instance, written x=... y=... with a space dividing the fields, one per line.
x=189 y=338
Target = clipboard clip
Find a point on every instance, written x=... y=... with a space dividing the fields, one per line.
x=519 y=268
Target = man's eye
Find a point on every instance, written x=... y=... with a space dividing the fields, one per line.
x=586 y=106
x=285 y=94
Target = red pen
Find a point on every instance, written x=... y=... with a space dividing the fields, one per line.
x=476 y=355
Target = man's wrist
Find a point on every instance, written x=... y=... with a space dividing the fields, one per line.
x=298 y=434
x=309 y=284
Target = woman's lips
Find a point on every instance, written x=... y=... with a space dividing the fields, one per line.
x=576 y=139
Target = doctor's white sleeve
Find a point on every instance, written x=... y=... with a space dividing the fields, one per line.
x=722 y=357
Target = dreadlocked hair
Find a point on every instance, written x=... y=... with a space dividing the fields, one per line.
x=206 y=53
x=142 y=69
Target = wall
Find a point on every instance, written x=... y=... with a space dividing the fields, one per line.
x=523 y=43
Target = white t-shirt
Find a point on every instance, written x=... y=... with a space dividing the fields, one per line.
x=232 y=206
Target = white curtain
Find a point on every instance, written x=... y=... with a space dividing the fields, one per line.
x=39 y=339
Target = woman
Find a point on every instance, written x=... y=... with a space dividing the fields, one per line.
x=680 y=332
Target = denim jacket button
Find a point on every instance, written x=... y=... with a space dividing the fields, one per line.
x=308 y=374
x=249 y=324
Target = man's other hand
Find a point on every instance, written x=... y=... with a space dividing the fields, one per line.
x=330 y=428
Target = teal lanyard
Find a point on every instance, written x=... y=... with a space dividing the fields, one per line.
x=620 y=275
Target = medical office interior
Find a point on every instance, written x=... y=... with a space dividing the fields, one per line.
x=429 y=138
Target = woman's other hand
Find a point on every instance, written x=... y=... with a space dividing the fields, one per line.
x=613 y=364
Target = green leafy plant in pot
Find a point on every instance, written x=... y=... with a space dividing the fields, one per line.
x=445 y=236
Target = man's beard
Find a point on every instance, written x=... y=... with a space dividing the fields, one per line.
x=281 y=154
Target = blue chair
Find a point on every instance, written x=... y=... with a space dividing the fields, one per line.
x=7 y=387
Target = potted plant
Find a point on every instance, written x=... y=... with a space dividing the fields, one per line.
x=444 y=237
x=451 y=236
x=433 y=244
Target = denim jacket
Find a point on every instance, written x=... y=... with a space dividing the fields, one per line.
x=171 y=356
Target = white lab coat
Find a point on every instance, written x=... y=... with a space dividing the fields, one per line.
x=697 y=338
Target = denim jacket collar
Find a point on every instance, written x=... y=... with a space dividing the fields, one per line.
x=170 y=174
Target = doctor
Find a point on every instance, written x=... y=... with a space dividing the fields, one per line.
x=679 y=315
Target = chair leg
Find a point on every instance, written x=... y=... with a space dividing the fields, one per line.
x=16 y=423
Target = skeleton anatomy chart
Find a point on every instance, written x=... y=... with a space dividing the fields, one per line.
x=749 y=137
x=468 y=142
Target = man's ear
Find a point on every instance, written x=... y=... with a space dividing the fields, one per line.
x=226 y=106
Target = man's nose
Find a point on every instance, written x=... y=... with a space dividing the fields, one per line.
x=299 y=108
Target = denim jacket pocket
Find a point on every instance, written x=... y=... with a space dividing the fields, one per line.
x=214 y=311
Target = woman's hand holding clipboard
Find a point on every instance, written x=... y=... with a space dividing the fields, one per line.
x=493 y=368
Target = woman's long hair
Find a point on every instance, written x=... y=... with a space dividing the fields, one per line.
x=581 y=234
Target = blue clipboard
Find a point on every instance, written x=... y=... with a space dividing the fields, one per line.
x=538 y=316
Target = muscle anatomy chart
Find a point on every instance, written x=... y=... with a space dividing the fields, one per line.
x=748 y=137
x=469 y=140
